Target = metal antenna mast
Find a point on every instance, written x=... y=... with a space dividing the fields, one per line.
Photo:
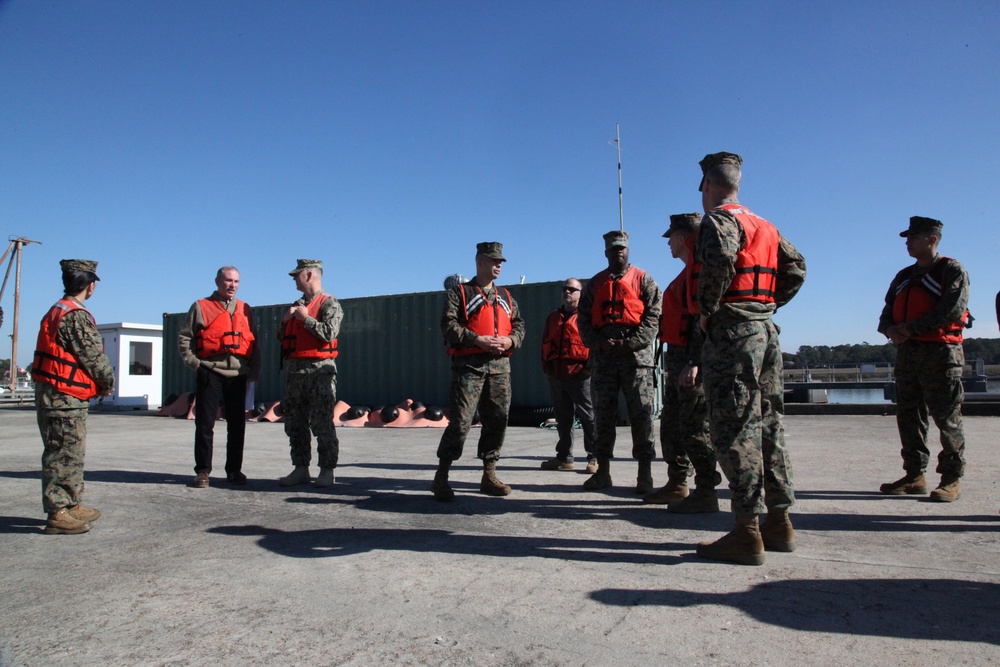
x=15 y=245
x=621 y=210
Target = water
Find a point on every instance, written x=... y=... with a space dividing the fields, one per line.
x=875 y=396
x=855 y=396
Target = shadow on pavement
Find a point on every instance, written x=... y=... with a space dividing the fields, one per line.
x=934 y=609
x=332 y=542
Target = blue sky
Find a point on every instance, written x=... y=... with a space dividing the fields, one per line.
x=387 y=138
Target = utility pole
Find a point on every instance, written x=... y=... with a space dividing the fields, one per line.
x=15 y=247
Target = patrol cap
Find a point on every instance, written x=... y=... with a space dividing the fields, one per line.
x=685 y=223
x=920 y=225
x=303 y=264
x=714 y=160
x=616 y=238
x=491 y=249
x=86 y=265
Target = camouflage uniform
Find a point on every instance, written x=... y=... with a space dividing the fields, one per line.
x=311 y=391
x=62 y=419
x=477 y=380
x=631 y=373
x=741 y=362
x=929 y=374
x=684 y=435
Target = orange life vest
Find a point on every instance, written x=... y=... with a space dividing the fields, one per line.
x=757 y=262
x=297 y=342
x=916 y=299
x=680 y=310
x=224 y=334
x=53 y=364
x=484 y=318
x=561 y=338
x=618 y=300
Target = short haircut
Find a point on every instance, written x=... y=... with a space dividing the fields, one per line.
x=218 y=274
x=725 y=174
x=75 y=281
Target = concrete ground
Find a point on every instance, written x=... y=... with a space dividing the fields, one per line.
x=374 y=571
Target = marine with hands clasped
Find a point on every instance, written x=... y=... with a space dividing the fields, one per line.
x=748 y=271
x=621 y=315
x=684 y=435
x=308 y=334
x=69 y=369
x=482 y=326
x=924 y=315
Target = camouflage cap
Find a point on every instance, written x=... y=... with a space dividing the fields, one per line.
x=715 y=159
x=616 y=238
x=919 y=225
x=303 y=264
x=87 y=265
x=685 y=223
x=491 y=249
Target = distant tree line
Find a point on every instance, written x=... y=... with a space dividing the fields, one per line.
x=987 y=349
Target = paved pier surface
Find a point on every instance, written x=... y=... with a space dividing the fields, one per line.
x=373 y=571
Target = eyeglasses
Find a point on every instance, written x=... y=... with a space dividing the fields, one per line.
x=570 y=289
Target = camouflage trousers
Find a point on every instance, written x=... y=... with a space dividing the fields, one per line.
x=636 y=384
x=471 y=389
x=684 y=436
x=929 y=382
x=64 y=435
x=745 y=395
x=308 y=405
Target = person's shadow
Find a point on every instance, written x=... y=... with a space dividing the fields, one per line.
x=332 y=542
x=936 y=609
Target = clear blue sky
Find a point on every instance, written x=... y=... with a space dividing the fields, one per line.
x=166 y=139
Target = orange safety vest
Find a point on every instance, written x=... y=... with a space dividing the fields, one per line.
x=484 y=318
x=914 y=300
x=53 y=363
x=757 y=262
x=297 y=342
x=561 y=338
x=679 y=309
x=618 y=300
x=224 y=334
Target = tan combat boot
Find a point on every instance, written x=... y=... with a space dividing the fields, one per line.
x=674 y=490
x=440 y=487
x=490 y=484
x=61 y=522
x=85 y=514
x=741 y=545
x=905 y=486
x=299 y=475
x=776 y=531
x=325 y=478
x=591 y=466
x=600 y=479
x=558 y=464
x=644 y=479
x=949 y=490
x=703 y=500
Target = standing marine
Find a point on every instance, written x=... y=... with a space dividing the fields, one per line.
x=308 y=333
x=924 y=315
x=684 y=436
x=748 y=271
x=69 y=369
x=620 y=315
x=482 y=326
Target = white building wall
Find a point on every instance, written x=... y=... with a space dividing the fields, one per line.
x=136 y=353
